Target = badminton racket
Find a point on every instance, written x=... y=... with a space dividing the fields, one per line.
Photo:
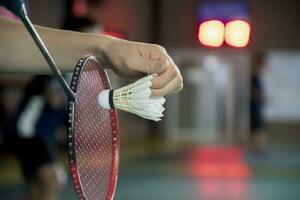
x=93 y=136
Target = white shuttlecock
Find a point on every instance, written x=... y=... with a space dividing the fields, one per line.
x=135 y=98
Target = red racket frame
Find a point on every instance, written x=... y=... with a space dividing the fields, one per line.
x=71 y=141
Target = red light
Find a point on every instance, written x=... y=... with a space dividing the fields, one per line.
x=79 y=8
x=218 y=162
x=211 y=33
x=237 y=33
x=113 y=34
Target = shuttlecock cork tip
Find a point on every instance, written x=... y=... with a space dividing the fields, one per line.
x=103 y=99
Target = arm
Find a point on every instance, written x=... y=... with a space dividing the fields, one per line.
x=18 y=54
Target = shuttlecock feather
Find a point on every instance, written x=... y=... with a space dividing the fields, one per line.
x=135 y=98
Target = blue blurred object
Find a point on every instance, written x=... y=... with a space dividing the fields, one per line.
x=222 y=10
x=13 y=6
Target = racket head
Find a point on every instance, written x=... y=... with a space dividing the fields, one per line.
x=93 y=134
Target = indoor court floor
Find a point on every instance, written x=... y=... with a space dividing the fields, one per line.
x=190 y=172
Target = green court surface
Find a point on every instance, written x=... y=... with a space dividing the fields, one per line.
x=192 y=173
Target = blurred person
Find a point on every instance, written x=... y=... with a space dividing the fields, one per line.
x=258 y=135
x=2 y=116
x=30 y=135
x=18 y=54
x=7 y=14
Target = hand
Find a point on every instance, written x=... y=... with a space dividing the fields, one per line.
x=128 y=58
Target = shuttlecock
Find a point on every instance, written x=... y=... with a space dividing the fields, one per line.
x=135 y=98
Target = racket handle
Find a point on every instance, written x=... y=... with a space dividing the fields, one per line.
x=14 y=6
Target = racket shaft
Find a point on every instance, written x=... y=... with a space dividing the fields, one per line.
x=46 y=53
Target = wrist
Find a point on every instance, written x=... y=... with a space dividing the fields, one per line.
x=103 y=46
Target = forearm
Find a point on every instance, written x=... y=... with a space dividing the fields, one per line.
x=19 y=54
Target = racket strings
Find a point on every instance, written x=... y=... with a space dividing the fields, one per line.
x=95 y=137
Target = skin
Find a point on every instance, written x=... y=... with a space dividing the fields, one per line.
x=19 y=55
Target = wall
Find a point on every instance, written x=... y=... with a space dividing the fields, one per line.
x=275 y=23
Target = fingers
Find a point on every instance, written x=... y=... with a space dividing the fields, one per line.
x=157 y=61
x=173 y=86
x=151 y=66
x=170 y=81
x=164 y=78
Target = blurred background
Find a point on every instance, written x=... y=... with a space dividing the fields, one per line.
x=232 y=133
